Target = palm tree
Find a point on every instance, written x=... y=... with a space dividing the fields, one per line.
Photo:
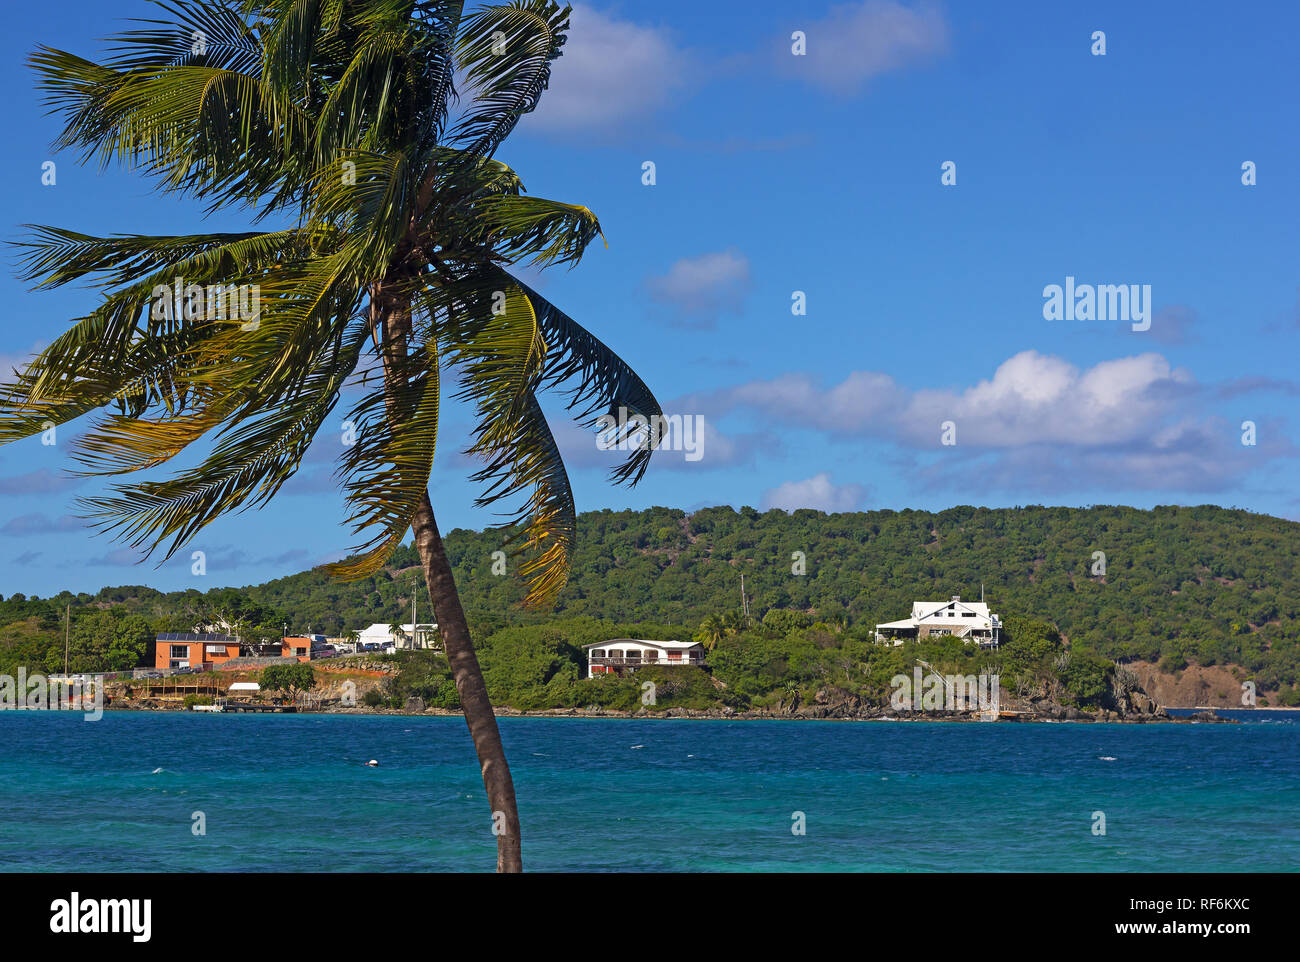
x=733 y=622
x=388 y=262
x=710 y=632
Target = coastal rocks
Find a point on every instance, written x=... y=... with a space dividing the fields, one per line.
x=413 y=704
x=842 y=704
x=1047 y=709
x=1141 y=703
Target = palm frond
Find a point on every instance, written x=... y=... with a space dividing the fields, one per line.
x=246 y=468
x=533 y=228
x=506 y=53
x=597 y=381
x=525 y=458
x=387 y=470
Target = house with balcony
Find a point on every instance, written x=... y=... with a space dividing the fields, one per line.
x=969 y=620
x=625 y=655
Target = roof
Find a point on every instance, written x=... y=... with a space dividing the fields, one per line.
x=969 y=614
x=384 y=628
x=245 y=686
x=925 y=609
x=666 y=645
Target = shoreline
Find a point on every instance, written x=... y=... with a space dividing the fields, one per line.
x=684 y=714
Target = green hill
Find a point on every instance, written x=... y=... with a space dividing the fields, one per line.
x=1203 y=585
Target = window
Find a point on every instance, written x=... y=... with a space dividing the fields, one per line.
x=651 y=655
x=598 y=653
x=616 y=653
x=180 y=651
x=968 y=614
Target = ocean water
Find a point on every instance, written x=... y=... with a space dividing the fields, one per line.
x=292 y=793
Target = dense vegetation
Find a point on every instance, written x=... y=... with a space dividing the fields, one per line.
x=785 y=660
x=1201 y=585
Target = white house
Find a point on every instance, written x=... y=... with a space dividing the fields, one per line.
x=425 y=635
x=618 y=655
x=970 y=620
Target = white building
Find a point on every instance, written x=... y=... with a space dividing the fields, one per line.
x=621 y=655
x=969 y=620
x=423 y=635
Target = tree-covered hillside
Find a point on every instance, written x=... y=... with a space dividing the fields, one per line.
x=1204 y=584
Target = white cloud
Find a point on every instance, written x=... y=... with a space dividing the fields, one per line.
x=1034 y=398
x=609 y=72
x=817 y=492
x=851 y=405
x=701 y=447
x=1038 y=423
x=858 y=41
x=702 y=287
x=1031 y=398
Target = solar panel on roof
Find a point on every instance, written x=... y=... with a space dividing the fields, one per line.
x=192 y=636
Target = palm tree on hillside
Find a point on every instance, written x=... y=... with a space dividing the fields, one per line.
x=710 y=632
x=386 y=263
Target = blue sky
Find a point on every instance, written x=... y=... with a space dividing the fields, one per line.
x=821 y=173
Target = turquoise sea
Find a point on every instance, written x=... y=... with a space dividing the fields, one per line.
x=292 y=793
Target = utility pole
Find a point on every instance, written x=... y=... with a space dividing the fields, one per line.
x=744 y=602
x=415 y=625
x=67 y=634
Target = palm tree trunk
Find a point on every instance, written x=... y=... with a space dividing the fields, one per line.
x=392 y=317
x=474 y=701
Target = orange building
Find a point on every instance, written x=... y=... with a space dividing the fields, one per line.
x=206 y=652
x=296 y=647
x=194 y=651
